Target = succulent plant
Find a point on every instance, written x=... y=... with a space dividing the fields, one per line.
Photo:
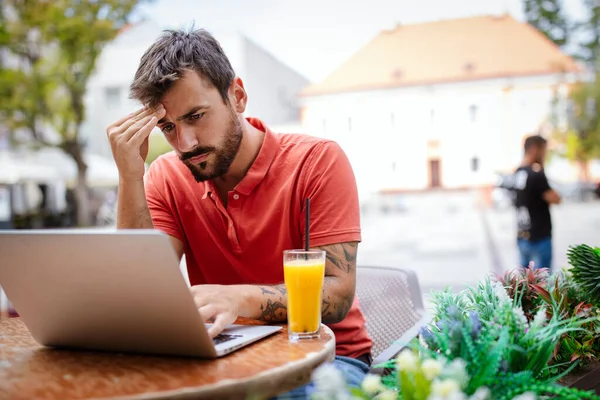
x=581 y=346
x=522 y=282
x=585 y=261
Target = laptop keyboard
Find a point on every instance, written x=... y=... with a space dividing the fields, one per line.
x=222 y=338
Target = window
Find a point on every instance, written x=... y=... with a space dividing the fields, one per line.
x=475 y=164
x=393 y=120
x=349 y=124
x=113 y=97
x=473 y=112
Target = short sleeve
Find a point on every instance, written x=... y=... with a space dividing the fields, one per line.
x=161 y=209
x=539 y=182
x=330 y=184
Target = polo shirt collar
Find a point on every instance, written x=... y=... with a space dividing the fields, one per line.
x=263 y=160
x=259 y=167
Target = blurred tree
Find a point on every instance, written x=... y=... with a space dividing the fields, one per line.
x=590 y=28
x=579 y=139
x=24 y=83
x=51 y=49
x=548 y=17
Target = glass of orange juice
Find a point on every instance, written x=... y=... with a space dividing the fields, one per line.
x=304 y=272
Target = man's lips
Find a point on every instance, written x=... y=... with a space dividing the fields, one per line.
x=198 y=159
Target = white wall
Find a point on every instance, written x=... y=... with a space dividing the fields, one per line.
x=390 y=134
x=272 y=86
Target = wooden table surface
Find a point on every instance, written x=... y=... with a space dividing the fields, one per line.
x=266 y=368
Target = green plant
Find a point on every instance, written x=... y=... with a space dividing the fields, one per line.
x=485 y=327
x=530 y=344
x=419 y=376
x=585 y=261
x=511 y=339
x=523 y=281
x=575 y=348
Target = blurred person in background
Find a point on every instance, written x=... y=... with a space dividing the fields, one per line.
x=533 y=197
x=231 y=195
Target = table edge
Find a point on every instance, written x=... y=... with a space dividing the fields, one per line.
x=313 y=358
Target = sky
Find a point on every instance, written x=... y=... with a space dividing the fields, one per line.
x=316 y=36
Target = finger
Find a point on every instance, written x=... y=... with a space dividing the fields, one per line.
x=220 y=324
x=134 y=128
x=138 y=138
x=135 y=119
x=159 y=112
x=129 y=116
x=207 y=312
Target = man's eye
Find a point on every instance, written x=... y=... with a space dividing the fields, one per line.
x=167 y=128
x=196 y=116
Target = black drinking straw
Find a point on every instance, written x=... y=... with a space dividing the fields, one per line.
x=307 y=226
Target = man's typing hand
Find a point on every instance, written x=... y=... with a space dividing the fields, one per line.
x=218 y=304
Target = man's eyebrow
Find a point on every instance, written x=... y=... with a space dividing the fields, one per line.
x=190 y=112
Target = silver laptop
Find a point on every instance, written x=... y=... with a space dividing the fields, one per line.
x=117 y=291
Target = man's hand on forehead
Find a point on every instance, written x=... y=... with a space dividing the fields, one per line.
x=129 y=140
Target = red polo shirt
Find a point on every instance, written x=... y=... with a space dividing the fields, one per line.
x=243 y=242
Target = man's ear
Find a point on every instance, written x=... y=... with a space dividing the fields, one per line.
x=238 y=95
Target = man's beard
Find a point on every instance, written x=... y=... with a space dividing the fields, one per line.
x=224 y=155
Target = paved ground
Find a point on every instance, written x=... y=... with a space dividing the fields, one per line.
x=574 y=223
x=450 y=241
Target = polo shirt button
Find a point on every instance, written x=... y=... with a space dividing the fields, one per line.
x=236 y=196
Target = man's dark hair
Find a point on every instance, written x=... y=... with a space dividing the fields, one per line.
x=174 y=53
x=535 y=141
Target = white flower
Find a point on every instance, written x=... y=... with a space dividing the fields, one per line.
x=431 y=369
x=520 y=316
x=445 y=388
x=526 y=396
x=329 y=383
x=500 y=292
x=372 y=384
x=457 y=370
x=387 y=395
x=482 y=393
x=540 y=318
x=453 y=396
x=406 y=361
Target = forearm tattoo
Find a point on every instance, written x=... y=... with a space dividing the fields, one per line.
x=337 y=299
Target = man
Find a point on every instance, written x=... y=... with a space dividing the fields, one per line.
x=232 y=193
x=533 y=197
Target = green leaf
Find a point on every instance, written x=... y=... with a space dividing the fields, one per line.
x=359 y=394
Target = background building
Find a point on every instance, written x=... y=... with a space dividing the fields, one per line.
x=440 y=104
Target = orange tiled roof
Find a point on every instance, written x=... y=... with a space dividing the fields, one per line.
x=447 y=51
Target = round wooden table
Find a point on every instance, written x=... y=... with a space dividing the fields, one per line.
x=264 y=369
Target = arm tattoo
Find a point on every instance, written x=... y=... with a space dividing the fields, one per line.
x=334 y=310
x=343 y=256
x=339 y=286
x=264 y=290
x=281 y=289
x=273 y=305
x=273 y=311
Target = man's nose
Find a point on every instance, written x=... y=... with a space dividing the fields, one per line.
x=186 y=140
